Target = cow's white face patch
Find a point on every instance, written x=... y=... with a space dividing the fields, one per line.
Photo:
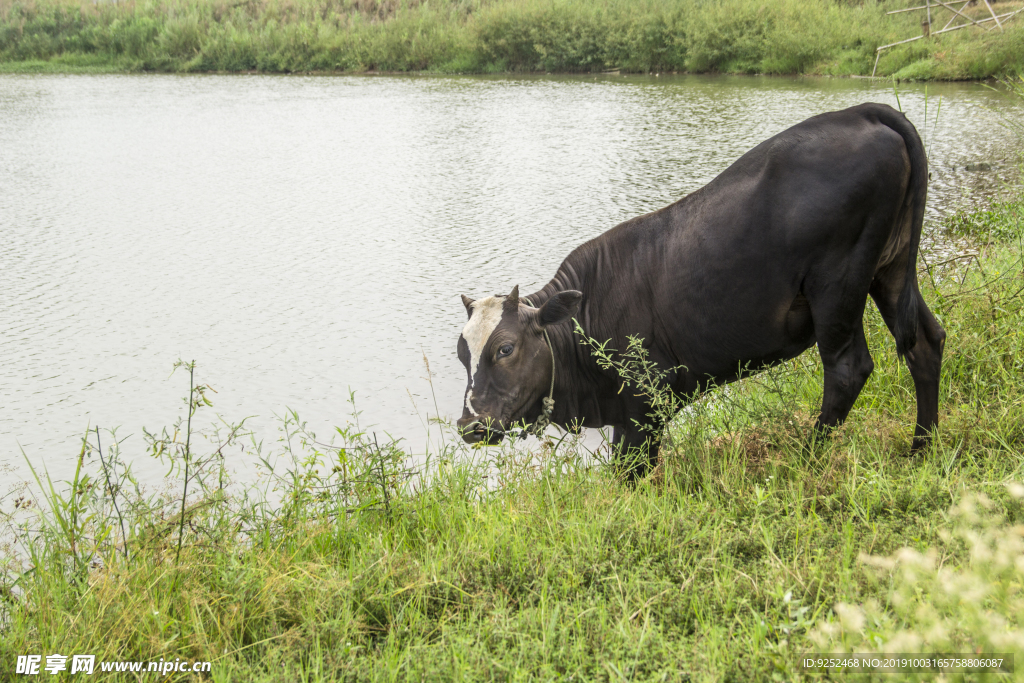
x=486 y=316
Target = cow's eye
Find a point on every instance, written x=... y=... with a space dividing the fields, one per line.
x=505 y=350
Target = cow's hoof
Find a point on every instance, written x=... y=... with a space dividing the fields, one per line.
x=919 y=444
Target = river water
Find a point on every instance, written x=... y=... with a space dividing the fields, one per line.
x=303 y=236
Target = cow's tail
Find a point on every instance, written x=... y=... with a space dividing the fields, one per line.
x=905 y=328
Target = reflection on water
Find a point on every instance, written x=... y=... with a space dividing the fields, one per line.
x=298 y=236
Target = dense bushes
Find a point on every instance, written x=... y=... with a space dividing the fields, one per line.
x=736 y=36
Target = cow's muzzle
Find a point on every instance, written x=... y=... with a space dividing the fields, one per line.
x=486 y=432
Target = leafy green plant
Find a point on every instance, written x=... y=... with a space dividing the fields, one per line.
x=1000 y=222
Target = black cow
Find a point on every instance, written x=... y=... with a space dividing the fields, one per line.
x=777 y=253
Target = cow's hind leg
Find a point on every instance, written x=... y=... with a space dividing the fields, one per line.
x=847 y=364
x=924 y=359
x=837 y=297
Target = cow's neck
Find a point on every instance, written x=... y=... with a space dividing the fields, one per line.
x=577 y=375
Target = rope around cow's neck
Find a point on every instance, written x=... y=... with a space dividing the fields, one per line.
x=542 y=422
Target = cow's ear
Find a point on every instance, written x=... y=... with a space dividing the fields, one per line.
x=560 y=308
x=512 y=300
x=468 y=303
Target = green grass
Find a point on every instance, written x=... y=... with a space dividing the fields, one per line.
x=746 y=548
x=488 y=36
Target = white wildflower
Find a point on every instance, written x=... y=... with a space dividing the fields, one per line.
x=938 y=635
x=850 y=616
x=904 y=641
x=876 y=561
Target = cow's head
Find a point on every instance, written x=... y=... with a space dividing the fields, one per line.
x=507 y=360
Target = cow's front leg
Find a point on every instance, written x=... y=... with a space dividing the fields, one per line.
x=636 y=451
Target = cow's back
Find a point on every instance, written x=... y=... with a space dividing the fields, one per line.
x=715 y=276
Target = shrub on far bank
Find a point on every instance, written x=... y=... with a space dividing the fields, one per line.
x=730 y=36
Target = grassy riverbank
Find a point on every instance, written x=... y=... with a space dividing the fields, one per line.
x=747 y=548
x=490 y=36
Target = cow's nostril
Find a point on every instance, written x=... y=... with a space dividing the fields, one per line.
x=479 y=427
x=488 y=433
